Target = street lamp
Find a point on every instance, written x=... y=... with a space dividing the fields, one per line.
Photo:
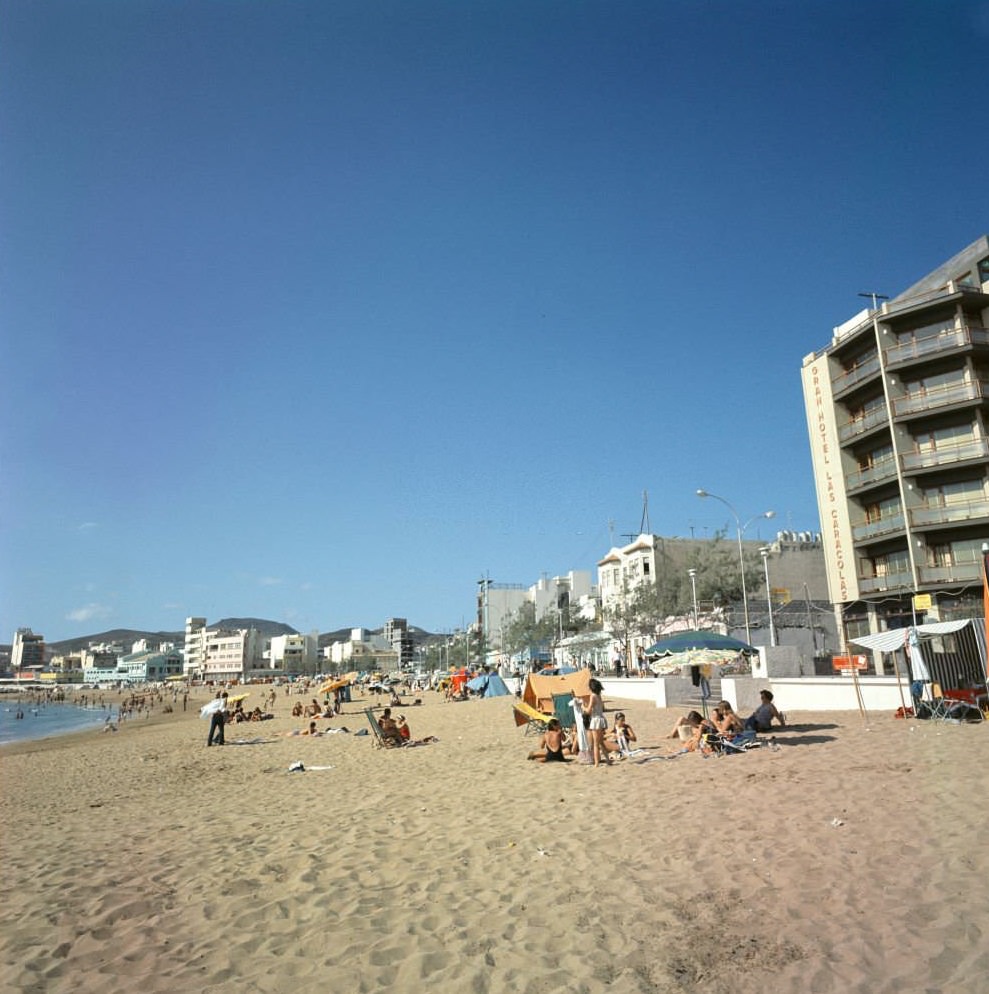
x=764 y=552
x=692 y=573
x=741 y=558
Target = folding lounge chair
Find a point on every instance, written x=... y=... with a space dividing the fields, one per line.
x=938 y=704
x=563 y=710
x=534 y=721
x=379 y=736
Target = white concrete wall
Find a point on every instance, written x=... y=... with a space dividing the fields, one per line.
x=790 y=694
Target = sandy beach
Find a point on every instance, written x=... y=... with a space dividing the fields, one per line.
x=852 y=858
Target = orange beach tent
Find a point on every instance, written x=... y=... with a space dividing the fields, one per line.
x=539 y=690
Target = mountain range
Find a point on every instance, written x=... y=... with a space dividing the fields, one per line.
x=268 y=629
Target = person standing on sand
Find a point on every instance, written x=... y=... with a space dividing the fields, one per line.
x=594 y=709
x=217 y=720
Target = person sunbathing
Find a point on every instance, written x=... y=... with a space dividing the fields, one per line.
x=691 y=720
x=389 y=728
x=726 y=721
x=691 y=728
x=621 y=736
x=406 y=733
x=761 y=719
x=550 y=745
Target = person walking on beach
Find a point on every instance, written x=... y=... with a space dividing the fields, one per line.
x=217 y=720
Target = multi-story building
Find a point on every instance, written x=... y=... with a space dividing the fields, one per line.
x=293 y=654
x=27 y=651
x=195 y=646
x=364 y=650
x=898 y=411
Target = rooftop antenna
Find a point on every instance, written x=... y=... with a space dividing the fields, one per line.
x=644 y=527
x=875 y=298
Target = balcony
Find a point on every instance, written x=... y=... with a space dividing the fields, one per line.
x=945 y=341
x=876 y=473
x=873 y=529
x=945 y=455
x=849 y=378
x=859 y=426
x=957 y=573
x=889 y=582
x=947 y=514
x=930 y=400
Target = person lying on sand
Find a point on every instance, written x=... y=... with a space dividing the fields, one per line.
x=550 y=745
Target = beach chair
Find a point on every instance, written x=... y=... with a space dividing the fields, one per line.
x=379 y=737
x=938 y=704
x=563 y=710
x=534 y=721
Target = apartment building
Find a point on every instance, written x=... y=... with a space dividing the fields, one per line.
x=221 y=654
x=898 y=413
x=293 y=654
x=27 y=651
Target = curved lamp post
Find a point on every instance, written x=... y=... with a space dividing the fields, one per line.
x=741 y=558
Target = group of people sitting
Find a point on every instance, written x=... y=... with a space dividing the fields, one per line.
x=557 y=744
x=315 y=710
x=693 y=727
x=396 y=731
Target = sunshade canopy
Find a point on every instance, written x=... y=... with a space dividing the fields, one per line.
x=692 y=641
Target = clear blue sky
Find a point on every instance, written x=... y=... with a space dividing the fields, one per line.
x=320 y=311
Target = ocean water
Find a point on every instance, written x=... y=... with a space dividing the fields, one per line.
x=43 y=720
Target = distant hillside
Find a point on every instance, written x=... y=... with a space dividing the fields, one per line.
x=128 y=636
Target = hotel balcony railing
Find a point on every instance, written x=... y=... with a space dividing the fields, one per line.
x=849 y=377
x=883 y=526
x=945 y=455
x=928 y=400
x=850 y=429
x=882 y=470
x=948 y=513
x=891 y=581
x=958 y=573
x=951 y=339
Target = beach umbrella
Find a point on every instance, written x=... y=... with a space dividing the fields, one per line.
x=663 y=665
x=685 y=642
x=236 y=698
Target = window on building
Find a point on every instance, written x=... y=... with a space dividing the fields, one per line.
x=946 y=437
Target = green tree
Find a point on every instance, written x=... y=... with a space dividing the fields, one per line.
x=525 y=631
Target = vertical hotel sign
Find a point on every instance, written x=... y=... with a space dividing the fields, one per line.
x=836 y=532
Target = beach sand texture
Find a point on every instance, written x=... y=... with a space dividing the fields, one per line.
x=851 y=859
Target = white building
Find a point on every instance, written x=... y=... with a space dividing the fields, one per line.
x=624 y=569
x=293 y=654
x=195 y=646
x=363 y=650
